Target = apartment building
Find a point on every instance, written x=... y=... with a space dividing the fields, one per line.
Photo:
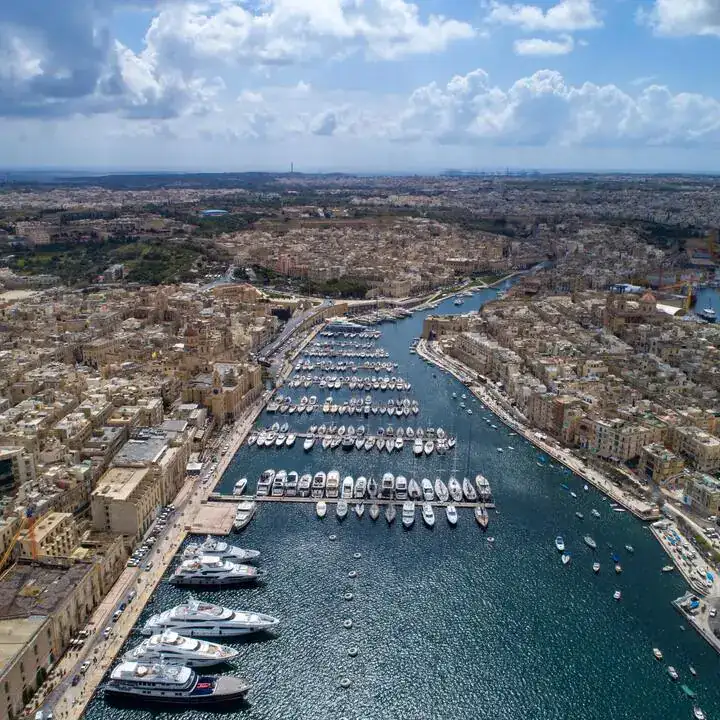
x=700 y=449
x=17 y=466
x=53 y=535
x=617 y=438
x=657 y=463
x=702 y=492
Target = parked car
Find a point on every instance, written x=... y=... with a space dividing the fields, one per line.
x=84 y=667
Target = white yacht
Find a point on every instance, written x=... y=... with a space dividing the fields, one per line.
x=220 y=549
x=348 y=485
x=172 y=648
x=455 y=489
x=469 y=490
x=414 y=491
x=387 y=487
x=321 y=508
x=360 y=487
x=428 y=515
x=418 y=448
x=408 y=514
x=290 y=440
x=309 y=443
x=441 y=490
x=708 y=314
x=429 y=447
x=451 y=514
x=240 y=485
x=333 y=484
x=291 y=484
x=483 y=488
x=304 y=484
x=427 y=490
x=278 y=484
x=265 y=482
x=374 y=511
x=201 y=619
x=211 y=570
x=401 y=486
x=173 y=685
x=245 y=512
x=318 y=485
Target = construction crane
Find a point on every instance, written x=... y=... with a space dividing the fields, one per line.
x=28 y=524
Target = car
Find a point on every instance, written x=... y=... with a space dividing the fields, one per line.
x=107 y=632
x=131 y=595
x=75 y=680
x=713 y=612
x=116 y=615
x=84 y=667
x=131 y=563
x=147 y=567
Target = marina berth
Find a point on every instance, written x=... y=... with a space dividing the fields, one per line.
x=171 y=648
x=202 y=619
x=173 y=685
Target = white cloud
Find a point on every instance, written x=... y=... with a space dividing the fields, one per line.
x=683 y=17
x=538 y=46
x=543 y=109
x=566 y=16
x=248 y=96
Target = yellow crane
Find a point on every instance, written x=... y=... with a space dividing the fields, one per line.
x=28 y=524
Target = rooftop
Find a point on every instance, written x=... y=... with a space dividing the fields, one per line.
x=15 y=634
x=119 y=483
x=144 y=449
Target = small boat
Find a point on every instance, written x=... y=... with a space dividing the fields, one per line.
x=374 y=511
x=573 y=494
x=618 y=569
x=390 y=513
x=596 y=567
x=630 y=548
x=579 y=515
x=491 y=539
x=560 y=543
x=565 y=557
x=481 y=516
x=427 y=490
x=455 y=489
x=698 y=714
x=673 y=673
x=595 y=513
x=428 y=515
x=619 y=510
x=451 y=514
x=590 y=542
x=240 y=486
x=585 y=488
x=693 y=671
x=321 y=508
x=360 y=509
x=441 y=490
x=372 y=488
x=617 y=595
x=668 y=568
x=658 y=654
x=469 y=490
x=408 y=514
x=414 y=491
x=341 y=510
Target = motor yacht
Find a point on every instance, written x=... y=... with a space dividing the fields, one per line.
x=252 y=439
x=469 y=491
x=673 y=673
x=657 y=653
x=481 y=516
x=244 y=514
x=239 y=487
x=590 y=542
x=390 y=513
x=347 y=487
x=427 y=490
x=441 y=490
x=280 y=440
x=451 y=514
x=372 y=488
x=408 y=514
x=265 y=482
x=418 y=446
x=401 y=487
x=173 y=685
x=428 y=514
x=211 y=570
x=202 y=619
x=560 y=543
x=708 y=314
x=304 y=484
x=290 y=440
x=369 y=443
x=291 y=484
x=414 y=491
x=595 y=513
x=309 y=443
x=596 y=567
x=455 y=489
x=220 y=549
x=169 y=647
x=321 y=508
x=387 y=486
x=332 y=487
x=317 y=489
x=341 y=509
x=278 y=485
x=360 y=487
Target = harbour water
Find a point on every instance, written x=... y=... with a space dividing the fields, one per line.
x=447 y=625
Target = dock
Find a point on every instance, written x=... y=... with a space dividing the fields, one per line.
x=213 y=518
x=219 y=497
x=698 y=620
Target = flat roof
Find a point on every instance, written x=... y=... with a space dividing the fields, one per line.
x=15 y=634
x=119 y=483
x=141 y=450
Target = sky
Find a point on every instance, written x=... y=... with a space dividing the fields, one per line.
x=360 y=85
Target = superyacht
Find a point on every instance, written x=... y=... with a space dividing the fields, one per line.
x=219 y=549
x=202 y=619
x=173 y=685
x=211 y=570
x=179 y=650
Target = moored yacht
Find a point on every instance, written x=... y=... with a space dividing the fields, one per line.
x=408 y=514
x=441 y=490
x=390 y=513
x=414 y=491
x=469 y=491
x=455 y=489
x=201 y=619
x=428 y=515
x=172 y=648
x=360 y=487
x=211 y=570
x=309 y=443
x=244 y=514
x=240 y=485
x=304 y=485
x=318 y=485
x=481 y=515
x=387 y=486
x=401 y=487
x=341 y=509
x=173 y=685
x=418 y=446
x=220 y=549
x=427 y=490
x=451 y=514
x=347 y=487
x=332 y=488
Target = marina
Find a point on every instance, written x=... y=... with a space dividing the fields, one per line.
x=337 y=584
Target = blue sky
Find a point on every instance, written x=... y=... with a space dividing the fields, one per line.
x=366 y=85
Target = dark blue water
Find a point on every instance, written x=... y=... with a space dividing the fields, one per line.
x=447 y=625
